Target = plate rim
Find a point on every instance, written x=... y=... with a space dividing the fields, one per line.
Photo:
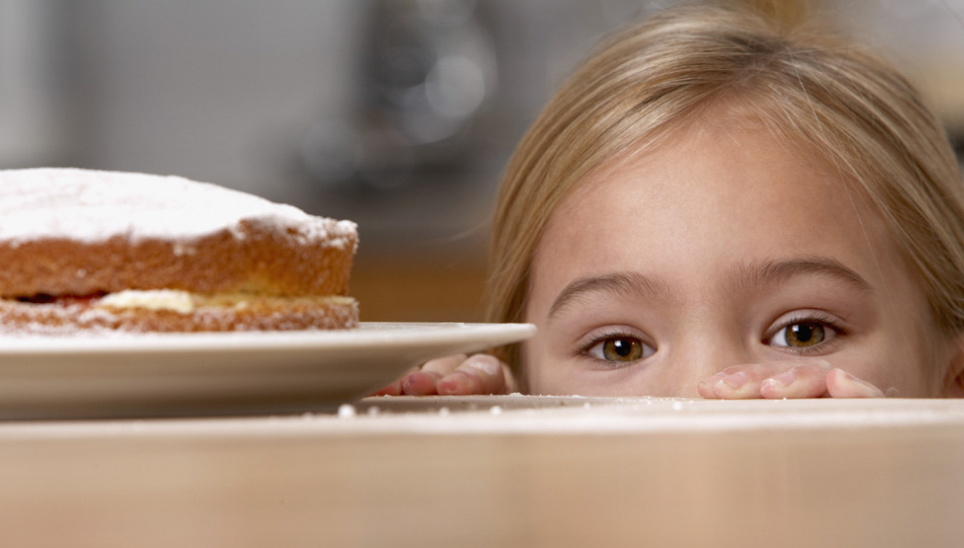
x=401 y=334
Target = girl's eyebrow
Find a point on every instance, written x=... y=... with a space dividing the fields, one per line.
x=775 y=272
x=621 y=283
x=752 y=276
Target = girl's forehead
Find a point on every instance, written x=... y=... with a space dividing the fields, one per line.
x=730 y=153
x=747 y=135
x=715 y=192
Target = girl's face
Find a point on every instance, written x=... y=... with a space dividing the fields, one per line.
x=723 y=247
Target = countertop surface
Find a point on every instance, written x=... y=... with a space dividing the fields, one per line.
x=496 y=471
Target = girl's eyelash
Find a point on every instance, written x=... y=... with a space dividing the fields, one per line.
x=811 y=317
x=607 y=334
x=814 y=317
x=584 y=349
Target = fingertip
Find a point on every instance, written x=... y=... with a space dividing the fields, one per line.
x=458 y=383
x=419 y=383
x=449 y=387
x=490 y=365
x=771 y=389
x=842 y=384
x=781 y=386
x=478 y=374
x=443 y=365
x=736 y=386
x=705 y=388
x=394 y=389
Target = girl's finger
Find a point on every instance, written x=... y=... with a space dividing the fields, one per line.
x=841 y=384
x=737 y=382
x=422 y=381
x=479 y=374
x=803 y=381
x=445 y=364
x=768 y=380
x=394 y=389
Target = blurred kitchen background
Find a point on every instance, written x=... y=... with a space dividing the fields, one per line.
x=397 y=114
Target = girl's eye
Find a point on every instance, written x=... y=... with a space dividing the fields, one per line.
x=803 y=334
x=620 y=348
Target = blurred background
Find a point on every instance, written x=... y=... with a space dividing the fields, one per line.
x=397 y=114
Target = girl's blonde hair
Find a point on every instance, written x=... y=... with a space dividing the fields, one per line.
x=835 y=100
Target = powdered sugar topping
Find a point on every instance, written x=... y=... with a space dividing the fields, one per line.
x=92 y=206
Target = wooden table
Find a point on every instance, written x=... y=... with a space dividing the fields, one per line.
x=500 y=471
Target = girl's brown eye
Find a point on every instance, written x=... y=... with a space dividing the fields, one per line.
x=801 y=334
x=619 y=349
x=622 y=349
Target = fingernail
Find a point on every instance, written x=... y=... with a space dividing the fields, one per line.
x=711 y=381
x=736 y=380
x=858 y=380
x=870 y=390
x=455 y=383
x=786 y=378
x=447 y=386
x=487 y=364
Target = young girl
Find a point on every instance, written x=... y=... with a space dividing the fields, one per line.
x=720 y=205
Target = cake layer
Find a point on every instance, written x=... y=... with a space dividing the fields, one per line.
x=251 y=258
x=69 y=231
x=205 y=313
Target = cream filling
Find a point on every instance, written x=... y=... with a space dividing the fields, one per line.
x=154 y=299
x=186 y=302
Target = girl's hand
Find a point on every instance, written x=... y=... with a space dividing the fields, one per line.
x=456 y=375
x=790 y=379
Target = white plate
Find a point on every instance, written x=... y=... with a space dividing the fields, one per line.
x=222 y=373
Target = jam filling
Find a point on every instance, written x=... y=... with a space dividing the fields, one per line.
x=63 y=300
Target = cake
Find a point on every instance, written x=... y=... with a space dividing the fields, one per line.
x=85 y=250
